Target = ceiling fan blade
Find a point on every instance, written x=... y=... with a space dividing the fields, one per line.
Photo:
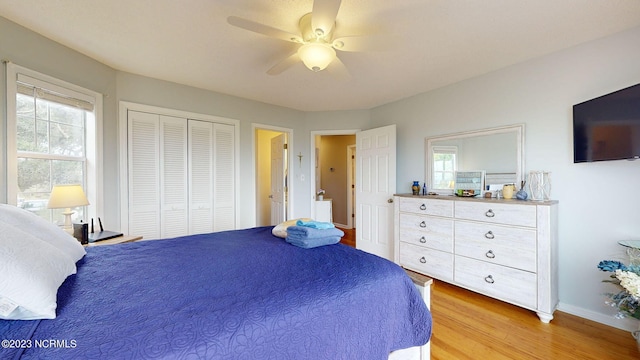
x=357 y=43
x=323 y=15
x=284 y=64
x=338 y=69
x=263 y=29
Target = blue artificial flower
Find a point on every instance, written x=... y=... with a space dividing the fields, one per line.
x=627 y=304
x=611 y=265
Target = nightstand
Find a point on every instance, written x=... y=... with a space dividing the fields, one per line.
x=116 y=240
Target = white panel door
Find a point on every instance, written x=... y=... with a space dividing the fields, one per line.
x=200 y=177
x=277 y=196
x=375 y=186
x=224 y=192
x=173 y=179
x=144 y=174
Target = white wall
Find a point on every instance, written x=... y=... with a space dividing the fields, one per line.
x=598 y=201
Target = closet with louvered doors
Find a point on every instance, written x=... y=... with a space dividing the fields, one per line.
x=181 y=176
x=211 y=180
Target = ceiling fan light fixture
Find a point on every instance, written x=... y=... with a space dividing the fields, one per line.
x=316 y=56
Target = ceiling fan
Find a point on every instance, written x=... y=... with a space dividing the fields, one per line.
x=317 y=43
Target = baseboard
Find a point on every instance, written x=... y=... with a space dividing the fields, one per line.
x=610 y=320
x=342 y=226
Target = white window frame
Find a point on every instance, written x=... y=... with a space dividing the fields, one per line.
x=94 y=183
x=443 y=150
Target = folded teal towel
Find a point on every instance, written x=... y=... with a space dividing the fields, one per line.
x=303 y=232
x=315 y=224
x=311 y=243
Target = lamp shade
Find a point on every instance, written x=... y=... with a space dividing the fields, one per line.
x=316 y=56
x=67 y=196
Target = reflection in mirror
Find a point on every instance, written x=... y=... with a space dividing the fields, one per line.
x=497 y=151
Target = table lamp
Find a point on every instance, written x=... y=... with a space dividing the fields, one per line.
x=67 y=197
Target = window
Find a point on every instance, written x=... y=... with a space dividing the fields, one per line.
x=51 y=139
x=444 y=167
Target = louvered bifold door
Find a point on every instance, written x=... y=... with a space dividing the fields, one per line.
x=173 y=182
x=144 y=174
x=224 y=180
x=200 y=177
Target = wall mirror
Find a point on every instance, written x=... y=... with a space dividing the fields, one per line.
x=499 y=152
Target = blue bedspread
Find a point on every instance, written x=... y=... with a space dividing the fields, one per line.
x=241 y=294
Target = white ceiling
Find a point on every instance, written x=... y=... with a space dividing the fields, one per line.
x=425 y=44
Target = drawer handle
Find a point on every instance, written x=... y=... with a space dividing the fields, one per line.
x=423 y=260
x=490 y=254
x=489 y=213
x=489 y=235
x=489 y=279
x=423 y=207
x=423 y=224
x=423 y=240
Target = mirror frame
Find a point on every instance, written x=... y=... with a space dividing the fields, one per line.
x=517 y=129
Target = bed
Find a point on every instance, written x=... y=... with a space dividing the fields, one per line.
x=242 y=294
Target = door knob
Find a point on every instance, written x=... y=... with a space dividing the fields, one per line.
x=390 y=201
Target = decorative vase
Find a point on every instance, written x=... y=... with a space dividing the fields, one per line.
x=507 y=191
x=522 y=194
x=539 y=185
x=415 y=188
x=320 y=197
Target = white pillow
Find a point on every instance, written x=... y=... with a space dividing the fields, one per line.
x=43 y=230
x=31 y=273
x=280 y=230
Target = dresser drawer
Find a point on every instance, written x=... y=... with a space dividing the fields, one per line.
x=431 y=232
x=425 y=206
x=509 y=214
x=498 y=244
x=435 y=263
x=511 y=285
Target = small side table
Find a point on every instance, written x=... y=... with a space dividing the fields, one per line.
x=324 y=211
x=633 y=250
x=116 y=240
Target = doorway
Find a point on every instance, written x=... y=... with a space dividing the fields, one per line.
x=334 y=172
x=272 y=174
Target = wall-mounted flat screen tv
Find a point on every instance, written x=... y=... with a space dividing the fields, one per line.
x=607 y=127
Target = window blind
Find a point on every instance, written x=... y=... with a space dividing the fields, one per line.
x=30 y=87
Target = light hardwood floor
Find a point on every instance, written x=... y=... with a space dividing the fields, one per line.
x=349 y=237
x=472 y=326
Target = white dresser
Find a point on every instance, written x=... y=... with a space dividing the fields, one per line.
x=505 y=249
